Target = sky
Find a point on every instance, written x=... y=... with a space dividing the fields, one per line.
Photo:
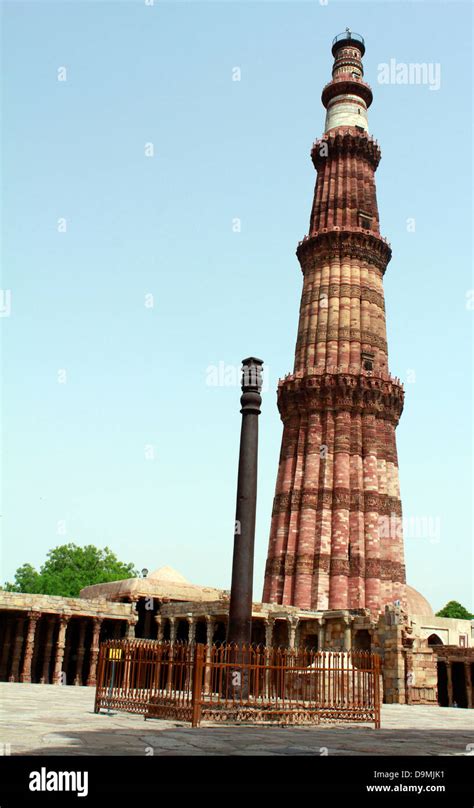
x=151 y=209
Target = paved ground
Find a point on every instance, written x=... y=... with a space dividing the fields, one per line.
x=51 y=719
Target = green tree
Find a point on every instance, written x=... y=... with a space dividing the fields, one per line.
x=27 y=579
x=455 y=609
x=68 y=568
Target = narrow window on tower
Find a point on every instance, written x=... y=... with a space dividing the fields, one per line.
x=365 y=220
x=368 y=360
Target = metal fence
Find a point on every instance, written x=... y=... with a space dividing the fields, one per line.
x=221 y=682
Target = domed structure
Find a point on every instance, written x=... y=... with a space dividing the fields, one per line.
x=416 y=603
x=168 y=574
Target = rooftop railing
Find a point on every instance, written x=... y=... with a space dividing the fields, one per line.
x=348 y=35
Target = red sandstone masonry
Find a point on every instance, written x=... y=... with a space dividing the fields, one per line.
x=338 y=472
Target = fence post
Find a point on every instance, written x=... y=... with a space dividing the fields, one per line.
x=197 y=684
x=376 y=669
x=99 y=676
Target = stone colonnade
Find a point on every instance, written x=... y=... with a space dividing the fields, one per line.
x=465 y=688
x=42 y=647
x=335 y=635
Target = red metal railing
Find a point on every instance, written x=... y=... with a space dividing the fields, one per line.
x=221 y=682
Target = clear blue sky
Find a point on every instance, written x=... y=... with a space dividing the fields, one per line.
x=75 y=452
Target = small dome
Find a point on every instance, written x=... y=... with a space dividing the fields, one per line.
x=416 y=603
x=168 y=574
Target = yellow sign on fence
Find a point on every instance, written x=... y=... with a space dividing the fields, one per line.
x=115 y=654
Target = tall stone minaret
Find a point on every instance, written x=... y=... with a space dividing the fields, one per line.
x=336 y=535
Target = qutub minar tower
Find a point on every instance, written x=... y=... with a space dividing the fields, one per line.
x=336 y=536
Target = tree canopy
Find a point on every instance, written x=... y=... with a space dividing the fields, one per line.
x=455 y=609
x=68 y=569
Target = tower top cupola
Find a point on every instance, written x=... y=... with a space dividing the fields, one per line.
x=348 y=39
x=347 y=97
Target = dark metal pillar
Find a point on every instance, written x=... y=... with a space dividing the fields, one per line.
x=240 y=609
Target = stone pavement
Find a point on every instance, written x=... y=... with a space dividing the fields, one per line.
x=52 y=719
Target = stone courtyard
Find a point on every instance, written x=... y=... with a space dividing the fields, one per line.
x=57 y=720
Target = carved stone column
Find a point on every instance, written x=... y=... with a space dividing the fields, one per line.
x=17 y=649
x=94 y=653
x=6 y=645
x=33 y=618
x=449 y=672
x=292 y=626
x=173 y=629
x=132 y=622
x=160 y=627
x=468 y=677
x=210 y=629
x=269 y=624
x=60 y=646
x=191 y=644
x=191 y=630
x=347 y=634
x=48 y=647
x=80 y=652
x=68 y=649
x=321 y=634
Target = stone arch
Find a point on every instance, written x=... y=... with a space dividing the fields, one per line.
x=434 y=639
